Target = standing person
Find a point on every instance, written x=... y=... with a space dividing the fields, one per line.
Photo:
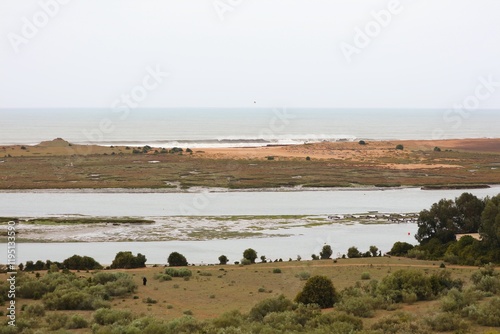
x=144 y=280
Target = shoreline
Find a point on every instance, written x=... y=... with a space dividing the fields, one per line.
x=198 y=190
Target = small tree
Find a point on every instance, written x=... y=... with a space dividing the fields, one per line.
x=318 y=290
x=127 y=260
x=401 y=248
x=263 y=259
x=326 y=253
x=250 y=255
x=223 y=259
x=77 y=262
x=362 y=142
x=400 y=147
x=353 y=253
x=177 y=260
x=374 y=250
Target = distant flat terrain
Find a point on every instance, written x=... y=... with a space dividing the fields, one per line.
x=61 y=165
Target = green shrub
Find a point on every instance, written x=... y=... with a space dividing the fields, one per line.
x=365 y=276
x=276 y=271
x=223 y=259
x=407 y=281
x=346 y=323
x=326 y=252
x=77 y=321
x=418 y=254
x=35 y=310
x=353 y=253
x=246 y=262
x=181 y=272
x=162 y=277
x=126 y=260
x=250 y=255
x=456 y=300
x=72 y=299
x=409 y=297
x=33 y=289
x=486 y=279
x=400 y=323
x=149 y=300
x=488 y=314
x=77 y=262
x=56 y=321
x=399 y=147
x=279 y=304
x=230 y=319
x=401 y=248
x=105 y=316
x=447 y=322
x=363 y=306
x=176 y=259
x=205 y=273
x=115 y=284
x=303 y=275
x=318 y=290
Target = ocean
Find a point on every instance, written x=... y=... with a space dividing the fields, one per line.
x=240 y=127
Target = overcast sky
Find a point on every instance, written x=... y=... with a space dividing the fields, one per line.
x=230 y=53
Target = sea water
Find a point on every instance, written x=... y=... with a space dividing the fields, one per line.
x=240 y=127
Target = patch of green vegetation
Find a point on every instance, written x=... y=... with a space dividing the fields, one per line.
x=249 y=217
x=5 y=220
x=93 y=220
x=205 y=234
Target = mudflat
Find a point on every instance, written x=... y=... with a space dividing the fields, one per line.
x=59 y=164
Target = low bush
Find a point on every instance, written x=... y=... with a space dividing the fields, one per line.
x=72 y=299
x=276 y=271
x=362 y=306
x=486 y=279
x=162 y=277
x=447 y=322
x=365 y=276
x=400 y=323
x=76 y=322
x=105 y=316
x=456 y=300
x=230 y=319
x=278 y=304
x=35 y=310
x=303 y=275
x=246 y=262
x=181 y=272
x=56 y=321
x=488 y=314
x=406 y=282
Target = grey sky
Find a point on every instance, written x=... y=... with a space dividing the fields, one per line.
x=432 y=54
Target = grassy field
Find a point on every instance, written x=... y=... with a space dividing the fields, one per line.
x=214 y=290
x=337 y=165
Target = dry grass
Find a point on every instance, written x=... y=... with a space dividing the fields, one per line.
x=234 y=287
